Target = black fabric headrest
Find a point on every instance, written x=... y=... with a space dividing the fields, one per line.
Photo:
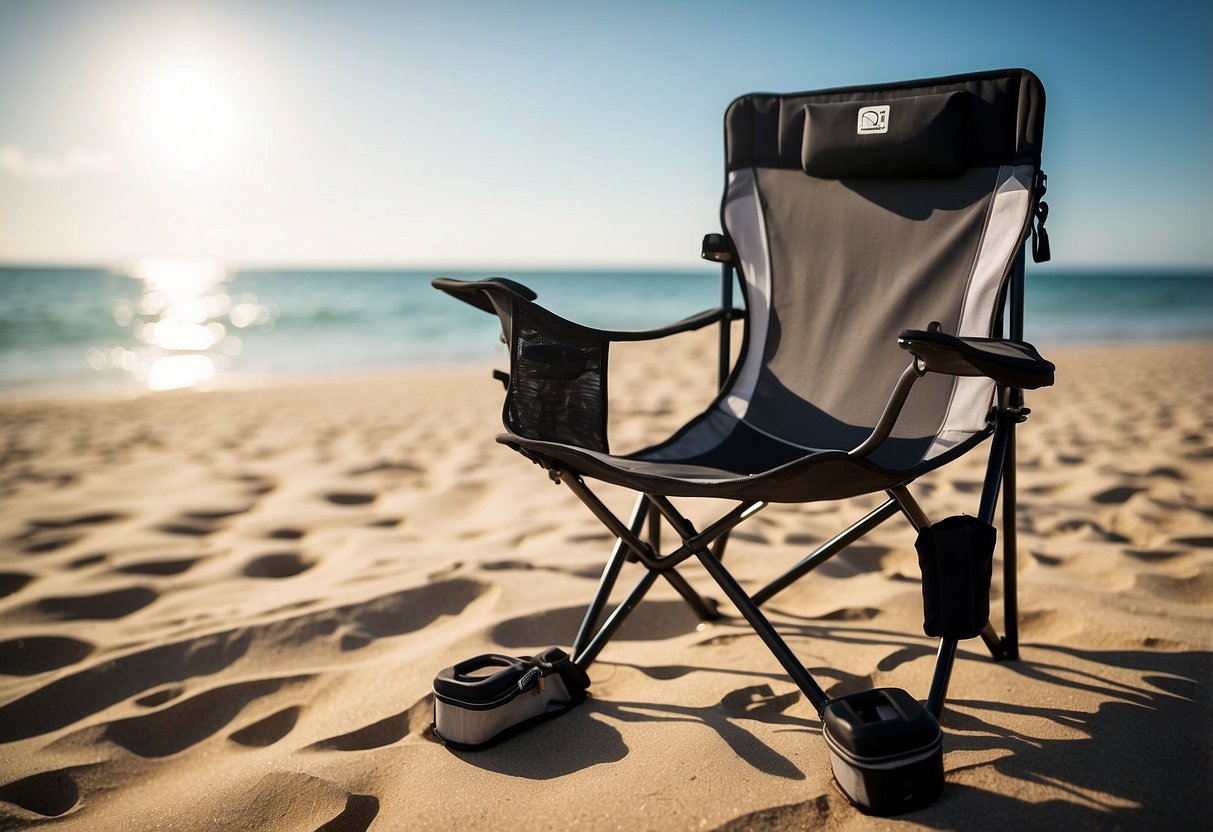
x=917 y=136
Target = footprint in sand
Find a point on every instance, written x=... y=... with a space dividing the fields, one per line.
x=159 y=697
x=53 y=544
x=387 y=467
x=50 y=794
x=267 y=731
x=87 y=561
x=350 y=498
x=1149 y=555
x=1116 y=496
x=848 y=614
x=47 y=535
x=13 y=582
x=202 y=522
x=102 y=606
x=38 y=654
x=158 y=567
x=190 y=721
x=407 y=611
x=277 y=565
x=1199 y=542
x=414 y=720
x=1043 y=559
x=651 y=621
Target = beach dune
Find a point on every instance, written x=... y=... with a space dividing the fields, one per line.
x=225 y=610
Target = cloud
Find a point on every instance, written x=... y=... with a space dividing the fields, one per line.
x=76 y=162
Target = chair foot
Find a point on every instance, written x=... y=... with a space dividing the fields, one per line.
x=1002 y=648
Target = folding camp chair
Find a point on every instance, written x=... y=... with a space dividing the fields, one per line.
x=879 y=236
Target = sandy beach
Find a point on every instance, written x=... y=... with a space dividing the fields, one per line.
x=224 y=610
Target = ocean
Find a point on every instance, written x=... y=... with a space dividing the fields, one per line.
x=169 y=324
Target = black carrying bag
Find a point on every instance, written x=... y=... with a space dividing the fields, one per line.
x=483 y=700
x=956 y=556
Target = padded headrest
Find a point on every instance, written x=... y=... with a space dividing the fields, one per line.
x=1000 y=115
x=916 y=136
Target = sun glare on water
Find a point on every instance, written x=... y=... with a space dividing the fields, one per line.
x=189 y=120
x=184 y=324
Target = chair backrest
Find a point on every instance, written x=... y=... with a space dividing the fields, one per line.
x=857 y=213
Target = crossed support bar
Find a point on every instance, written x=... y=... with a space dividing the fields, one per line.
x=708 y=547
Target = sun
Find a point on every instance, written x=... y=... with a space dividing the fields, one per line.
x=188 y=119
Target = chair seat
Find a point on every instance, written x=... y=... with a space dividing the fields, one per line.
x=805 y=475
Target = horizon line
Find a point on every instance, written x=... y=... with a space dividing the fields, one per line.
x=388 y=266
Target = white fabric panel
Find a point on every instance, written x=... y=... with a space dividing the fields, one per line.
x=972 y=395
x=1005 y=224
x=744 y=223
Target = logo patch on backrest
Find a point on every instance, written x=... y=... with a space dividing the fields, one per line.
x=873 y=119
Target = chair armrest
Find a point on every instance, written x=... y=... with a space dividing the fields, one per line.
x=693 y=322
x=1011 y=363
x=478 y=292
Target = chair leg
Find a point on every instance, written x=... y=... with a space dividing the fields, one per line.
x=1010 y=575
x=610 y=574
x=827 y=550
x=705 y=608
x=746 y=606
x=996 y=472
x=944 y=660
x=585 y=658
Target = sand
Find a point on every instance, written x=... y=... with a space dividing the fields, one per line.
x=224 y=610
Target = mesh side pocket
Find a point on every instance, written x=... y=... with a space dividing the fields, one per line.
x=557 y=382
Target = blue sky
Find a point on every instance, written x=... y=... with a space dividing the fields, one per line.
x=497 y=135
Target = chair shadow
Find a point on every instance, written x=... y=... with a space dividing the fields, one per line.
x=1144 y=758
x=545 y=752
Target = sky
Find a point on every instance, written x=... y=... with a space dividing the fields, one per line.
x=483 y=135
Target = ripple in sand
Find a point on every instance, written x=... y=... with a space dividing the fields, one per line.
x=1149 y=555
x=159 y=697
x=278 y=565
x=1193 y=589
x=267 y=731
x=158 y=567
x=651 y=621
x=41 y=547
x=11 y=582
x=1199 y=542
x=38 y=654
x=189 y=722
x=848 y=614
x=350 y=498
x=376 y=735
x=102 y=606
x=50 y=794
x=1116 y=496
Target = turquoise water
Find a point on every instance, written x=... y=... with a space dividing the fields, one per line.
x=175 y=324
